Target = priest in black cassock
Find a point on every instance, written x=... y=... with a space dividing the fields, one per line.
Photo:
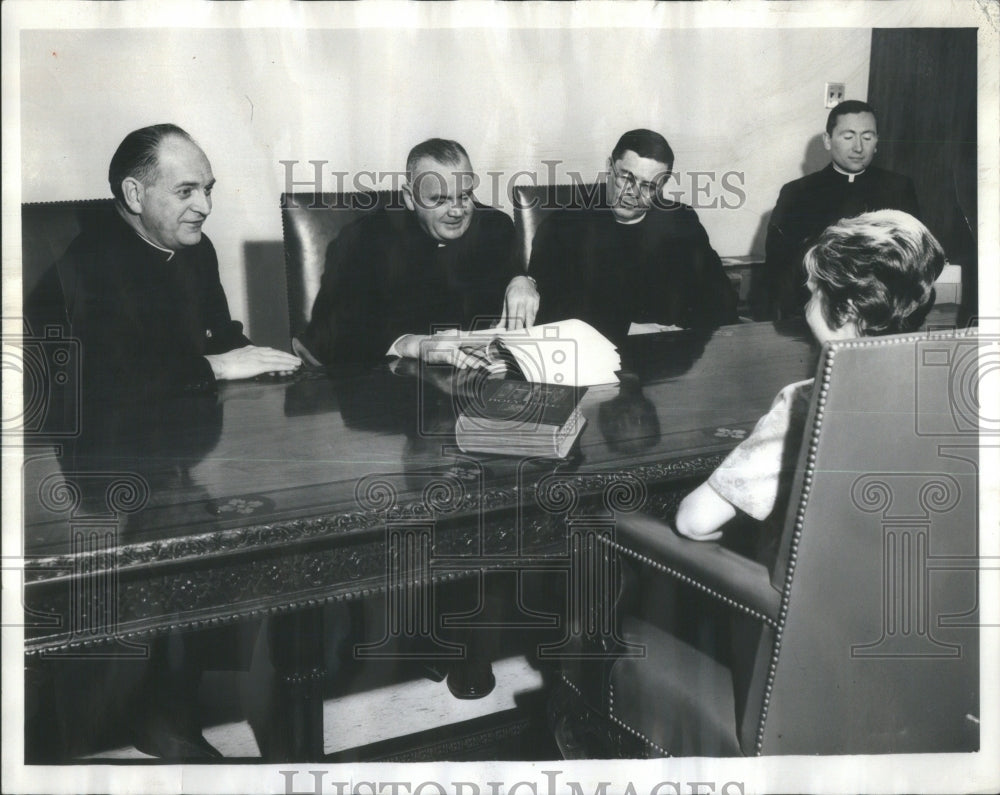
x=139 y=290
x=442 y=262
x=849 y=185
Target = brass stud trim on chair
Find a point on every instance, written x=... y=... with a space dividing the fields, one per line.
x=830 y=351
x=612 y=717
x=569 y=684
x=635 y=732
x=807 y=479
x=647 y=561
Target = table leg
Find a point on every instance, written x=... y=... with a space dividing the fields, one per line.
x=295 y=733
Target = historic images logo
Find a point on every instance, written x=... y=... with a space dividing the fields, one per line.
x=703 y=190
x=49 y=368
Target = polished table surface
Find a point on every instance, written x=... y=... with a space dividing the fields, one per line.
x=275 y=495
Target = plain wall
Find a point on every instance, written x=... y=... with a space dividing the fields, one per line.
x=747 y=101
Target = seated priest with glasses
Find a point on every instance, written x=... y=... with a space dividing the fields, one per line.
x=631 y=255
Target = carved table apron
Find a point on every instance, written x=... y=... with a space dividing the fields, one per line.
x=277 y=497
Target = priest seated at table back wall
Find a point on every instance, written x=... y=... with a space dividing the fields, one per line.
x=395 y=275
x=848 y=186
x=630 y=254
x=139 y=289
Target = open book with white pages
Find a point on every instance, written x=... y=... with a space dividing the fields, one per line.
x=567 y=352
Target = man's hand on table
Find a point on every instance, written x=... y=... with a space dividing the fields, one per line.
x=450 y=347
x=520 y=303
x=251 y=361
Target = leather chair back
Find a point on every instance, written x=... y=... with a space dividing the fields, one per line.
x=863 y=638
x=878 y=647
x=534 y=203
x=47 y=229
x=310 y=222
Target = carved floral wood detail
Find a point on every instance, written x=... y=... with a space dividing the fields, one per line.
x=230 y=575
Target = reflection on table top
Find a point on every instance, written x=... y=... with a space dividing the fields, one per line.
x=276 y=451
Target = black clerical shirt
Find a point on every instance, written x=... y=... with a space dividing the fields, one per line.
x=661 y=269
x=385 y=277
x=144 y=317
x=809 y=205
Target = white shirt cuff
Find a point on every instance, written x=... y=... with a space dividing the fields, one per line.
x=393 y=349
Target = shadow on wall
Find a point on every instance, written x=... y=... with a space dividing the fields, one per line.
x=267 y=295
x=814 y=158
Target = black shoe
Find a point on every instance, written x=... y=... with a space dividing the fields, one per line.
x=435 y=671
x=163 y=739
x=471 y=679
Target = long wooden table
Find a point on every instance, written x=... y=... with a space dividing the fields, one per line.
x=275 y=497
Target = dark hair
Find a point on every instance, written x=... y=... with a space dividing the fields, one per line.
x=645 y=143
x=878 y=270
x=137 y=155
x=440 y=149
x=846 y=107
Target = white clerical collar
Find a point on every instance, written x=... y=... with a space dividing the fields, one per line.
x=167 y=251
x=848 y=174
x=135 y=228
x=630 y=222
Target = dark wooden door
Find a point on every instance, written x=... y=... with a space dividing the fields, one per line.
x=922 y=82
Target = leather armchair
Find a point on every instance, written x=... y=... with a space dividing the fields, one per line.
x=309 y=223
x=47 y=229
x=861 y=636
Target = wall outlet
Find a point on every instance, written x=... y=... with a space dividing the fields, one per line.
x=834 y=94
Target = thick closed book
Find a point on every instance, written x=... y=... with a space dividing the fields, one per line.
x=521 y=402
x=520 y=418
x=544 y=441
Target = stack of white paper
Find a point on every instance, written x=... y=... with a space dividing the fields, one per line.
x=948 y=287
x=568 y=352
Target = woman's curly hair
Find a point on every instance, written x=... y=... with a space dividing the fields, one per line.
x=878 y=270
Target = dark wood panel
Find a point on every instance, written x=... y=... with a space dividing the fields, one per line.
x=923 y=83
